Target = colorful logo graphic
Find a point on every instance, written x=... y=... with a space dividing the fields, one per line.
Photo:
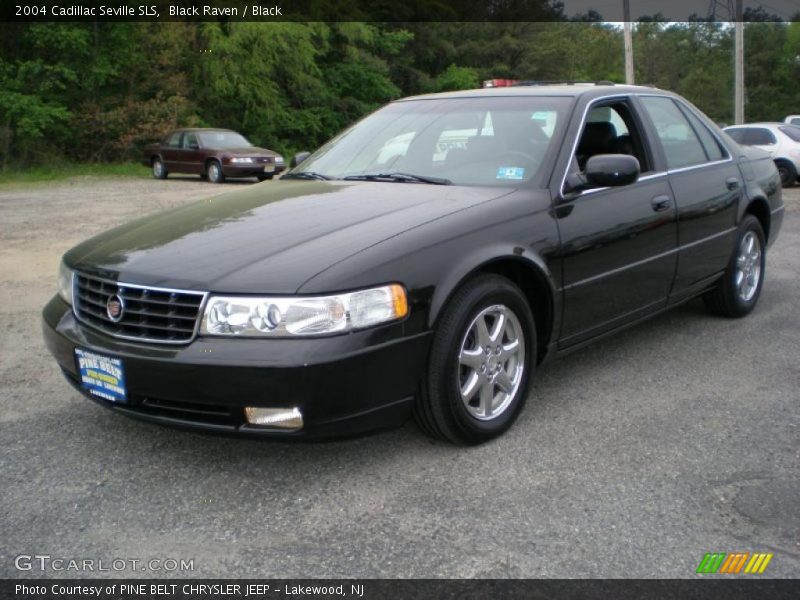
x=734 y=563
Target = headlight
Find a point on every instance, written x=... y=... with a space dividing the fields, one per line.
x=278 y=158
x=65 y=283
x=240 y=159
x=248 y=316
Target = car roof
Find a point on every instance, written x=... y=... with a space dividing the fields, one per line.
x=572 y=90
x=198 y=129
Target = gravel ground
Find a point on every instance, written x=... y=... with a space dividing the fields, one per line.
x=633 y=458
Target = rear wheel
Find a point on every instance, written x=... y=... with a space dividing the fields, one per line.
x=159 y=170
x=481 y=361
x=737 y=293
x=788 y=173
x=214 y=172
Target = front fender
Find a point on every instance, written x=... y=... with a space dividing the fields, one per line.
x=483 y=259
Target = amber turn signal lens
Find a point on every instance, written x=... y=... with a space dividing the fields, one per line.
x=399 y=301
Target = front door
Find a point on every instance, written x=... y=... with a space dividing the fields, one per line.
x=617 y=244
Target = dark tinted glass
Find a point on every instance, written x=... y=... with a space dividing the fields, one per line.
x=758 y=136
x=738 y=135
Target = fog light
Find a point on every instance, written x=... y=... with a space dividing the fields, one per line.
x=278 y=418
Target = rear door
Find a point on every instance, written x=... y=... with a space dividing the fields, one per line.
x=618 y=243
x=170 y=151
x=707 y=186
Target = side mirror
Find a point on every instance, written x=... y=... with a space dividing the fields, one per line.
x=611 y=170
x=298 y=158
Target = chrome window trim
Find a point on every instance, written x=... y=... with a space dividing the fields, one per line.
x=200 y=309
x=578 y=137
x=651 y=175
x=700 y=166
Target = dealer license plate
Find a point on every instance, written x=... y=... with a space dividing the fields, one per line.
x=101 y=376
x=269 y=168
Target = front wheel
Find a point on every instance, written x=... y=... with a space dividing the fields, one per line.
x=737 y=293
x=265 y=177
x=214 y=172
x=159 y=170
x=483 y=353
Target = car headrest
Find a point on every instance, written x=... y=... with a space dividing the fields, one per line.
x=597 y=138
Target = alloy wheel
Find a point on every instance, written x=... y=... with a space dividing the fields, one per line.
x=491 y=362
x=748 y=266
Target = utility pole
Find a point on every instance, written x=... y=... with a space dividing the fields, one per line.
x=738 y=96
x=626 y=33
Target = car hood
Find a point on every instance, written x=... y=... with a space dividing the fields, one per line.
x=248 y=151
x=268 y=238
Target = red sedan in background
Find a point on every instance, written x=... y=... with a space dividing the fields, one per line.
x=215 y=154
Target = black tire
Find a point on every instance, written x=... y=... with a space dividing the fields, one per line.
x=265 y=177
x=788 y=173
x=440 y=410
x=725 y=299
x=214 y=172
x=158 y=168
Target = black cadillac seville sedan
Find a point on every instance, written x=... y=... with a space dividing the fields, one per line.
x=426 y=261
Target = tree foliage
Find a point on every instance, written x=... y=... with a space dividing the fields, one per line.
x=99 y=91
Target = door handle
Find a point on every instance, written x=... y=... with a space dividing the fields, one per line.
x=732 y=183
x=660 y=203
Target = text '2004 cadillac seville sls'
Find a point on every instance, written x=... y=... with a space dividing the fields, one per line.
x=425 y=261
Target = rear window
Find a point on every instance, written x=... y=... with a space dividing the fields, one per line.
x=737 y=135
x=759 y=136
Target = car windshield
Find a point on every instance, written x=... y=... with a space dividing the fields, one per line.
x=222 y=139
x=792 y=131
x=496 y=141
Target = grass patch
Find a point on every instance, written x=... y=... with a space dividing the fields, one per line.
x=57 y=172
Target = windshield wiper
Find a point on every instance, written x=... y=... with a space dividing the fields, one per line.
x=306 y=175
x=399 y=177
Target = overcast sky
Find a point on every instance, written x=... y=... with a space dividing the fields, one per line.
x=676 y=10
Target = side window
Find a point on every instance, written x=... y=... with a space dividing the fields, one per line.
x=679 y=141
x=710 y=143
x=190 y=141
x=175 y=140
x=610 y=129
x=758 y=136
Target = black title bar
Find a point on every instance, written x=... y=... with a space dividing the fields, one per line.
x=389 y=10
x=701 y=588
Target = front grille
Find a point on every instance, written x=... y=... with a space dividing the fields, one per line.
x=148 y=314
x=264 y=159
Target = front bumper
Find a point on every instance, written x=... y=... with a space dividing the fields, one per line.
x=250 y=170
x=343 y=385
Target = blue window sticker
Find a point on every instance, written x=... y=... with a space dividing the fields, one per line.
x=101 y=376
x=510 y=173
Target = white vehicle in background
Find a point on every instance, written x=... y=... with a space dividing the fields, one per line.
x=781 y=140
x=792 y=120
